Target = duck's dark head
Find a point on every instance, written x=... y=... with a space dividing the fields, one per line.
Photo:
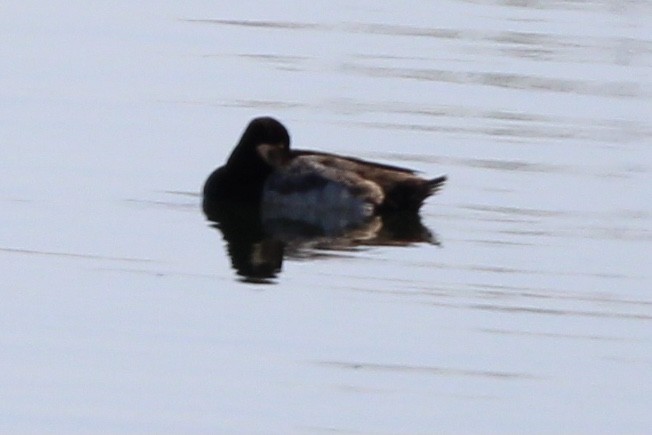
x=264 y=130
x=242 y=177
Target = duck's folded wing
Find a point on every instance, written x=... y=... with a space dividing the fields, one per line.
x=308 y=182
x=401 y=188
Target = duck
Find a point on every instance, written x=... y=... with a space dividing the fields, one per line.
x=262 y=169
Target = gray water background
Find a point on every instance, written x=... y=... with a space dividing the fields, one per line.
x=121 y=313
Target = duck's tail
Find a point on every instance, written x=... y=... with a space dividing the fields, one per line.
x=436 y=184
x=409 y=195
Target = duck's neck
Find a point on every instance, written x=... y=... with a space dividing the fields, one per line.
x=246 y=164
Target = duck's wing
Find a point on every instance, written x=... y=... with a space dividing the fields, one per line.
x=402 y=188
x=310 y=180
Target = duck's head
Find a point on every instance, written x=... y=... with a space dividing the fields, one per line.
x=261 y=149
x=260 y=131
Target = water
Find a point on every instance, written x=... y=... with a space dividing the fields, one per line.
x=526 y=309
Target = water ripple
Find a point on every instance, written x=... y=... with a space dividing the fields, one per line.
x=620 y=89
x=432 y=370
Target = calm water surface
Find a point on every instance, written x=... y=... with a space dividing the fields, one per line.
x=521 y=302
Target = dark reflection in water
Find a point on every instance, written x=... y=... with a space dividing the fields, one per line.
x=257 y=240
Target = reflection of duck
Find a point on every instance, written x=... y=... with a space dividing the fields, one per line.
x=258 y=242
x=263 y=170
x=254 y=255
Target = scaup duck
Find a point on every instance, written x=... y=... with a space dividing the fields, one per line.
x=262 y=169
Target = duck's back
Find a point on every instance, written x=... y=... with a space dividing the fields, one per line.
x=312 y=183
x=401 y=188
